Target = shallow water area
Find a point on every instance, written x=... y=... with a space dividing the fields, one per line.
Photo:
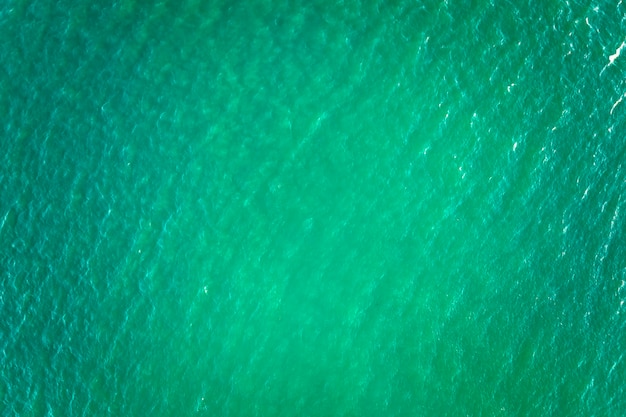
x=309 y=208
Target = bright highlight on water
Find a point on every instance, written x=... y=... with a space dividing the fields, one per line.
x=317 y=208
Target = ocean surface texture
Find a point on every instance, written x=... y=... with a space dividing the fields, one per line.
x=313 y=208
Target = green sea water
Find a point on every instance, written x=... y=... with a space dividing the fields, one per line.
x=312 y=208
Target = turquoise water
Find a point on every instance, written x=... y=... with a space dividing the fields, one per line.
x=312 y=208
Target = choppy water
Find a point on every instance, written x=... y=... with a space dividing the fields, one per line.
x=312 y=208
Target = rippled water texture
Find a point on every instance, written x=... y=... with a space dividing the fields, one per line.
x=312 y=208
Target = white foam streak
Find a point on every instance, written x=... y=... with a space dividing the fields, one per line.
x=616 y=103
x=613 y=57
x=4 y=220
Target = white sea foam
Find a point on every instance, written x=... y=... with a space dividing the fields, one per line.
x=4 y=219
x=613 y=57
x=619 y=100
